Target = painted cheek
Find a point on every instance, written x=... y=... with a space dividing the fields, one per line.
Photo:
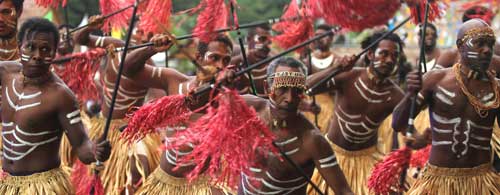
x=25 y=58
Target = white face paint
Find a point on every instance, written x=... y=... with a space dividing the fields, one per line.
x=377 y=64
x=25 y=58
x=207 y=55
x=472 y=55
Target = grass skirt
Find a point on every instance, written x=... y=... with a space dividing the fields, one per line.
x=356 y=165
x=52 y=182
x=457 y=181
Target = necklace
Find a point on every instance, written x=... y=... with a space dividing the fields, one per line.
x=481 y=109
x=13 y=52
x=275 y=123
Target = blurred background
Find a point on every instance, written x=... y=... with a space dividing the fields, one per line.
x=257 y=10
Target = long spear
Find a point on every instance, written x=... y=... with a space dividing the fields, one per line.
x=413 y=108
x=188 y=36
x=206 y=88
x=338 y=70
x=309 y=59
x=104 y=17
x=117 y=84
x=242 y=46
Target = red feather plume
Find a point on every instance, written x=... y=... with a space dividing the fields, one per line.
x=155 y=11
x=357 y=15
x=95 y=186
x=294 y=32
x=434 y=11
x=50 y=3
x=80 y=178
x=212 y=17
x=120 y=20
x=420 y=157
x=166 y=111
x=79 y=73
x=226 y=139
x=386 y=174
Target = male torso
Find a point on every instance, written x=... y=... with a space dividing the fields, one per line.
x=460 y=136
x=31 y=129
x=361 y=106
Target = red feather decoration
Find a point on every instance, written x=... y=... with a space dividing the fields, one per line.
x=79 y=73
x=420 y=157
x=95 y=187
x=226 y=140
x=212 y=17
x=80 y=178
x=120 y=20
x=155 y=11
x=357 y=15
x=50 y=3
x=166 y=111
x=291 y=11
x=294 y=32
x=386 y=174
x=434 y=11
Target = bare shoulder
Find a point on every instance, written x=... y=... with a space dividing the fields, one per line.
x=256 y=102
x=434 y=76
x=10 y=66
x=61 y=91
x=448 y=57
x=313 y=139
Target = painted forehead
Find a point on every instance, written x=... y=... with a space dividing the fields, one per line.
x=219 y=48
x=386 y=45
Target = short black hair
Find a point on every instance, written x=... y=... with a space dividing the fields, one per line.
x=203 y=46
x=429 y=25
x=38 y=25
x=391 y=37
x=253 y=31
x=283 y=61
x=475 y=10
x=325 y=27
x=18 y=4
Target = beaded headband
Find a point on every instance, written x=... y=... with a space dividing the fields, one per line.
x=288 y=79
x=486 y=32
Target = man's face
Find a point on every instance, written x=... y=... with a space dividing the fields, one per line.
x=65 y=43
x=139 y=37
x=385 y=58
x=8 y=19
x=287 y=98
x=477 y=52
x=430 y=38
x=260 y=41
x=324 y=43
x=218 y=55
x=37 y=51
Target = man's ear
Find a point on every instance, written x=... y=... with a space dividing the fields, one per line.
x=198 y=56
x=266 y=88
x=370 y=55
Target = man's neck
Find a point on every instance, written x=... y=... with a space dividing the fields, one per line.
x=280 y=118
x=374 y=76
x=472 y=74
x=8 y=41
x=37 y=80
x=321 y=54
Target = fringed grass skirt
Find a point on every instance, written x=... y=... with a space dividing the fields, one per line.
x=52 y=182
x=116 y=172
x=457 y=181
x=356 y=165
x=161 y=183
